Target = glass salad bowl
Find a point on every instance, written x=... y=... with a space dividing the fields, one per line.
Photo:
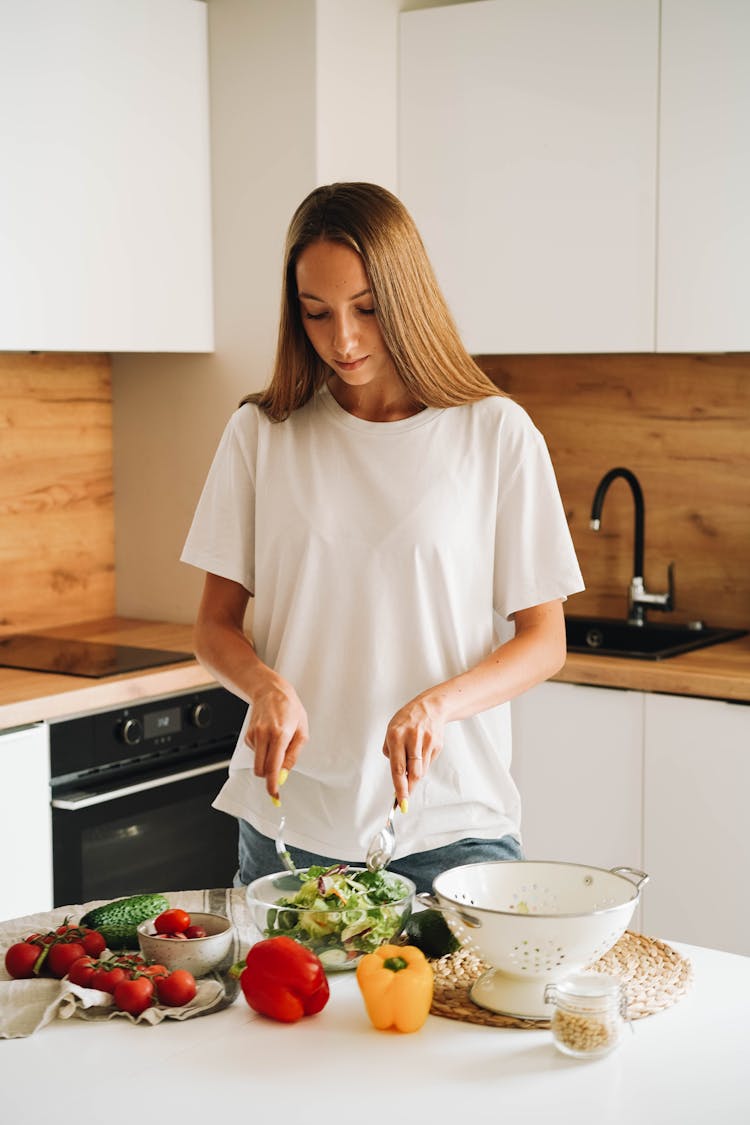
x=338 y=912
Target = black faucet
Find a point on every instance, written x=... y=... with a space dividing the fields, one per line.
x=639 y=598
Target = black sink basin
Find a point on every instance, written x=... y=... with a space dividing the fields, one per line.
x=609 y=636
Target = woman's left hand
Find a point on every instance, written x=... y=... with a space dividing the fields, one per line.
x=414 y=737
x=413 y=740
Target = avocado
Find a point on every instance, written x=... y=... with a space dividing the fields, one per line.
x=429 y=931
x=117 y=921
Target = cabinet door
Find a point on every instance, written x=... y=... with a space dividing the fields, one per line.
x=696 y=840
x=25 y=822
x=105 y=241
x=704 y=177
x=577 y=761
x=527 y=155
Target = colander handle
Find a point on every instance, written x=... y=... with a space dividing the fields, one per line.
x=425 y=898
x=632 y=873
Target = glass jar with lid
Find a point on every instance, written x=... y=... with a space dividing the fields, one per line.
x=589 y=1014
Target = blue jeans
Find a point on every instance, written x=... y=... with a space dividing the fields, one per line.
x=257 y=856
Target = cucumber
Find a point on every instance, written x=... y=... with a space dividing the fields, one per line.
x=117 y=921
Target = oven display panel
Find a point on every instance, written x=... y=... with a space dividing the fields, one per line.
x=158 y=723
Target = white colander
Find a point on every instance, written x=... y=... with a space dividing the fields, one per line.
x=534 y=922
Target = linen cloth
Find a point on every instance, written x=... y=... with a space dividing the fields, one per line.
x=26 y=1006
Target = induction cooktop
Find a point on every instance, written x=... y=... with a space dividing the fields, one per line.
x=36 y=652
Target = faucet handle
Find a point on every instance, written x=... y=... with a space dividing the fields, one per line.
x=640 y=598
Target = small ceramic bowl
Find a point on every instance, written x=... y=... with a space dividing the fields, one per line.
x=198 y=955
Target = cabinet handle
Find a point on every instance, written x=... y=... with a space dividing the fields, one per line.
x=74 y=803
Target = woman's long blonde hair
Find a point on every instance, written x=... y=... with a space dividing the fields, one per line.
x=414 y=320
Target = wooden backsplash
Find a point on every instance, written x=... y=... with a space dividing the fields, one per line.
x=56 y=492
x=681 y=424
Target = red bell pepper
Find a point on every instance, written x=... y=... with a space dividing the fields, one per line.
x=284 y=980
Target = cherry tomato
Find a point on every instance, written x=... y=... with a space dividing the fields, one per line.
x=195 y=931
x=154 y=970
x=172 y=921
x=106 y=980
x=21 y=958
x=176 y=989
x=43 y=939
x=129 y=960
x=62 y=955
x=81 y=972
x=134 y=996
x=93 y=943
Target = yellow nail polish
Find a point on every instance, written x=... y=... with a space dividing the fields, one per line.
x=283 y=775
x=404 y=806
x=276 y=801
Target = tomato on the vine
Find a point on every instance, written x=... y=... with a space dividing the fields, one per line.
x=21 y=958
x=93 y=942
x=173 y=921
x=62 y=955
x=176 y=989
x=82 y=971
x=154 y=970
x=106 y=980
x=135 y=995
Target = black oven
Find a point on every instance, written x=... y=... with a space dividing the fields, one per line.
x=131 y=797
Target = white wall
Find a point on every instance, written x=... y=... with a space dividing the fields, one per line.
x=169 y=410
x=302 y=92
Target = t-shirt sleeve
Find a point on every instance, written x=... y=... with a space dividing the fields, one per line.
x=535 y=560
x=221 y=539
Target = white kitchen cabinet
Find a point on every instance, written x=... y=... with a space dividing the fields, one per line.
x=105 y=225
x=696 y=835
x=704 y=177
x=577 y=761
x=527 y=155
x=25 y=822
x=581 y=171
x=653 y=781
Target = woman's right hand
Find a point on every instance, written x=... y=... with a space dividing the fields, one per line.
x=277 y=728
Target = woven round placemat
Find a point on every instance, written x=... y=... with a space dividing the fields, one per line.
x=654 y=977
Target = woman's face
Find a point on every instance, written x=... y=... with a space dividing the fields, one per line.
x=338 y=313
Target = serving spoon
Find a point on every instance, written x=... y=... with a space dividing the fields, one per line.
x=281 y=849
x=383 y=843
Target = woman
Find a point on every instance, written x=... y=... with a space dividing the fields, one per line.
x=386 y=507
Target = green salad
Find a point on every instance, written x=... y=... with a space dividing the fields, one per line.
x=340 y=912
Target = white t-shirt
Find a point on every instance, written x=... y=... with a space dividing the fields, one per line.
x=383 y=558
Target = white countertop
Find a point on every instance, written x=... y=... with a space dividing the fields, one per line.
x=687 y=1065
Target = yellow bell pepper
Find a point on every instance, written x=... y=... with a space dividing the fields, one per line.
x=396 y=982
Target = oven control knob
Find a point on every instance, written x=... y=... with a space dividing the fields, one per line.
x=200 y=715
x=130 y=732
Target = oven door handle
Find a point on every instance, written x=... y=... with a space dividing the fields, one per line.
x=89 y=799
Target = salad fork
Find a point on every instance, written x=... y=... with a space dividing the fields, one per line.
x=383 y=843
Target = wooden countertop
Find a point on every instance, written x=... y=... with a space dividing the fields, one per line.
x=30 y=697
x=719 y=672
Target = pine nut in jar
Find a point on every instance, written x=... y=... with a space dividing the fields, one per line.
x=588 y=1016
